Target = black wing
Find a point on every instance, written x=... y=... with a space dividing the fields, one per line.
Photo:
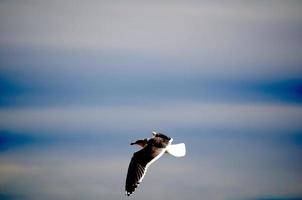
x=139 y=165
x=136 y=172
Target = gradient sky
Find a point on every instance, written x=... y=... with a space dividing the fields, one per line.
x=79 y=81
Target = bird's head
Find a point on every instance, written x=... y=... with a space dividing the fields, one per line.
x=141 y=143
x=161 y=135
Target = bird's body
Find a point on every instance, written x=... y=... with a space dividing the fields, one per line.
x=152 y=150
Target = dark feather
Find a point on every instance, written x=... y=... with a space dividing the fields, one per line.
x=140 y=159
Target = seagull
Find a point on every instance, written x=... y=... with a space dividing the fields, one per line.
x=152 y=149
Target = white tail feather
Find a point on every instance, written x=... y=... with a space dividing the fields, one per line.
x=177 y=150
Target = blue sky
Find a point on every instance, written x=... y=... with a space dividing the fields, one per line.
x=79 y=81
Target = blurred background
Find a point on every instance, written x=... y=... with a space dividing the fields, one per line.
x=80 y=80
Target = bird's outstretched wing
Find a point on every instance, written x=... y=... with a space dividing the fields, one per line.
x=138 y=166
x=135 y=175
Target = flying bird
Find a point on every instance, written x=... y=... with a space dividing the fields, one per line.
x=152 y=149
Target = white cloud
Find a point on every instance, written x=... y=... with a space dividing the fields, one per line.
x=163 y=116
x=232 y=37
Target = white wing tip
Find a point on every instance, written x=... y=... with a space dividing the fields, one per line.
x=128 y=193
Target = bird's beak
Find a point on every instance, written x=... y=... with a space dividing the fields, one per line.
x=132 y=143
x=154 y=133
